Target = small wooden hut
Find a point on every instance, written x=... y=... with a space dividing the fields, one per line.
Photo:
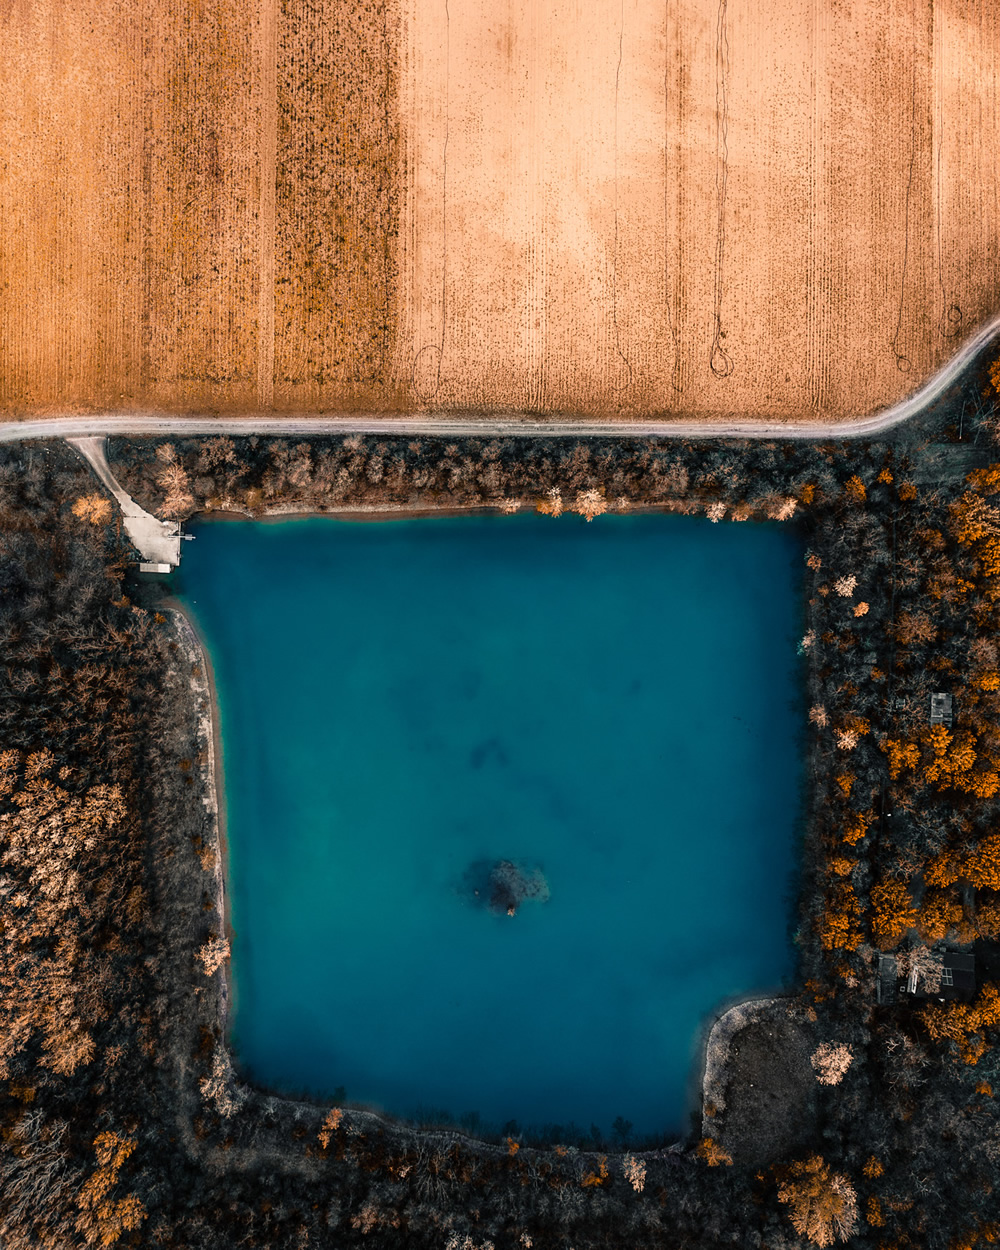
x=941 y=709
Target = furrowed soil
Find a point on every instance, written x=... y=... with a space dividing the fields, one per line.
x=707 y=208
x=199 y=205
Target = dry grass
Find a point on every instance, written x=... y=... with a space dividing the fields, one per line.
x=705 y=207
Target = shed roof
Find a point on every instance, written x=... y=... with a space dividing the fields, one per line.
x=941 y=708
x=963 y=973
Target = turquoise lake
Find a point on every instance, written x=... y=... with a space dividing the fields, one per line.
x=615 y=708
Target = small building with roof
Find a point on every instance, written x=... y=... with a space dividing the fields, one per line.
x=925 y=975
x=941 y=709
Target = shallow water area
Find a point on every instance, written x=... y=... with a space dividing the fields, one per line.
x=612 y=710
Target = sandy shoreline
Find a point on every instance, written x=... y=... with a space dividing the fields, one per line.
x=410 y=512
x=355 y=512
x=209 y=734
x=716 y=1055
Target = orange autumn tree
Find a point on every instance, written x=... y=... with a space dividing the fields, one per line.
x=939 y=914
x=856 y=826
x=845 y=783
x=590 y=503
x=982 y=865
x=952 y=761
x=901 y=755
x=600 y=1177
x=969 y=522
x=893 y=913
x=551 y=503
x=330 y=1126
x=965 y=1024
x=943 y=870
x=103 y=1217
x=975 y=523
x=93 y=508
x=51 y=975
x=978 y=1238
x=987 y=918
x=824 y=1203
x=839 y=925
x=914 y=627
x=710 y=1152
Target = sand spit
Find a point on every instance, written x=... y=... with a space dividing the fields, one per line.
x=764 y=209
x=718 y=1050
x=194 y=664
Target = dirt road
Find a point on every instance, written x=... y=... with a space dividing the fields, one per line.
x=67 y=425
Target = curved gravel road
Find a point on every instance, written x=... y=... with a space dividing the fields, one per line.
x=460 y=425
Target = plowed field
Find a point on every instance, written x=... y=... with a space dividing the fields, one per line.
x=757 y=208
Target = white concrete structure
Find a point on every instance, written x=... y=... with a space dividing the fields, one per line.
x=158 y=542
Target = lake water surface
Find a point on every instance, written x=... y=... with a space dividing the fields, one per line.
x=615 y=707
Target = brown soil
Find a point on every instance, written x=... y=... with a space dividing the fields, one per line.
x=759 y=208
x=339 y=164
x=771 y=1092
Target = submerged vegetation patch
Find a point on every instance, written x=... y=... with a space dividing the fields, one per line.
x=503 y=886
x=122 y=1122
